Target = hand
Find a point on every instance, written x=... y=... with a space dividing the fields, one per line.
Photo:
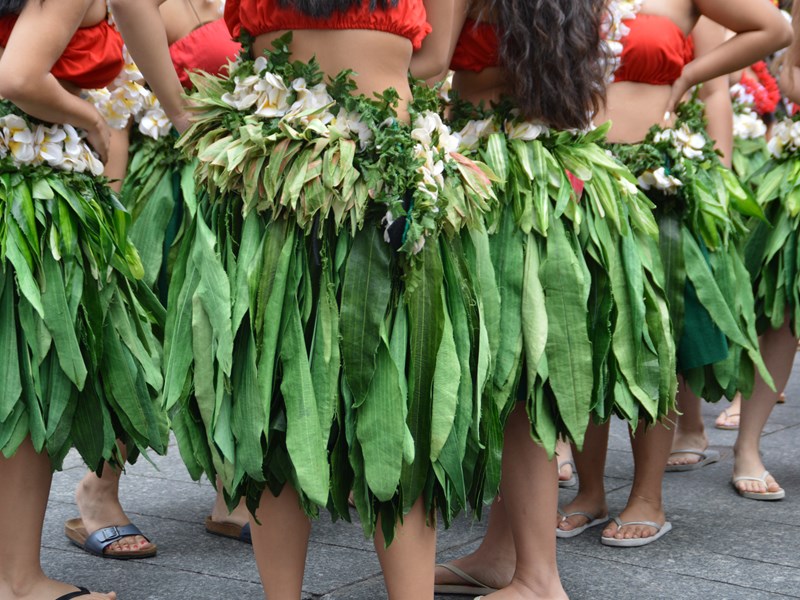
x=99 y=138
x=180 y=121
x=677 y=92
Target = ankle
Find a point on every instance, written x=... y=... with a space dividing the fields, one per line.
x=651 y=502
x=18 y=582
x=540 y=583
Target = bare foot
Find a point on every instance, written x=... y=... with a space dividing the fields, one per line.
x=46 y=589
x=684 y=440
x=492 y=573
x=566 y=469
x=745 y=465
x=638 y=509
x=219 y=514
x=729 y=418
x=98 y=503
x=518 y=590
x=596 y=508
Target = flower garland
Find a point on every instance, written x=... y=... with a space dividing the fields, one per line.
x=26 y=143
x=762 y=93
x=273 y=101
x=614 y=30
x=125 y=98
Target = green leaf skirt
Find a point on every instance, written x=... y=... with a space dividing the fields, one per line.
x=81 y=363
x=771 y=251
x=301 y=348
x=710 y=303
x=583 y=332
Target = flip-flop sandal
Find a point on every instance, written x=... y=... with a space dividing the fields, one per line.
x=591 y=521
x=457 y=589
x=661 y=530
x=779 y=495
x=80 y=592
x=728 y=417
x=573 y=480
x=229 y=530
x=707 y=457
x=96 y=543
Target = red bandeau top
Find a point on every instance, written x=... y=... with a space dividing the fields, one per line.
x=408 y=19
x=477 y=48
x=91 y=60
x=654 y=52
x=208 y=48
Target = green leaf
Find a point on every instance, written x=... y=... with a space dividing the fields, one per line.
x=447 y=378
x=9 y=366
x=365 y=297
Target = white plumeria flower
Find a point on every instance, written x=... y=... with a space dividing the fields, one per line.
x=272 y=96
x=475 y=131
x=628 y=186
x=347 y=124
x=775 y=146
x=311 y=100
x=244 y=95
x=22 y=142
x=748 y=125
x=155 y=124
x=425 y=125
x=659 y=180
x=388 y=220
x=51 y=149
x=524 y=130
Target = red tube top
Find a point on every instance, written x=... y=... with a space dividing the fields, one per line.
x=91 y=60
x=207 y=48
x=477 y=48
x=408 y=19
x=655 y=51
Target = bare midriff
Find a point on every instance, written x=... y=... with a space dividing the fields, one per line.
x=379 y=60
x=633 y=108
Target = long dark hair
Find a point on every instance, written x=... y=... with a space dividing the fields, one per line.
x=552 y=50
x=325 y=8
x=8 y=7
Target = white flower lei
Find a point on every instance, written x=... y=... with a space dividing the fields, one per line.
x=614 y=30
x=58 y=146
x=785 y=140
x=125 y=98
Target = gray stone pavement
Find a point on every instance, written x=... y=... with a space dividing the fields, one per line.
x=722 y=546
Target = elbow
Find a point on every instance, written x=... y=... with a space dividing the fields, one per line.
x=782 y=36
x=15 y=87
x=119 y=5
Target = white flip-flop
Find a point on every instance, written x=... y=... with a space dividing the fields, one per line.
x=779 y=495
x=661 y=530
x=592 y=521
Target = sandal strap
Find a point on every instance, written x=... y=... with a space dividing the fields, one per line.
x=694 y=451
x=578 y=513
x=620 y=524
x=101 y=539
x=762 y=479
x=465 y=576
x=81 y=592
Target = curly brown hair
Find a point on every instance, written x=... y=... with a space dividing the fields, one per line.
x=325 y=8
x=553 y=52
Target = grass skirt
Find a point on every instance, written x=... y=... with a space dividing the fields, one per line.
x=81 y=363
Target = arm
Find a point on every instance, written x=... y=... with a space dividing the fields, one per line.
x=760 y=30
x=715 y=93
x=37 y=41
x=141 y=26
x=431 y=59
x=460 y=9
x=790 y=74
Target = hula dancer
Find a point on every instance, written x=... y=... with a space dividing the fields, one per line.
x=81 y=366
x=696 y=200
x=571 y=237
x=325 y=332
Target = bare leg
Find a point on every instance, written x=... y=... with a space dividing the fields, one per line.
x=690 y=433
x=777 y=348
x=591 y=466
x=23 y=500
x=408 y=563
x=281 y=544
x=220 y=513
x=530 y=492
x=650 y=452
x=98 y=502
